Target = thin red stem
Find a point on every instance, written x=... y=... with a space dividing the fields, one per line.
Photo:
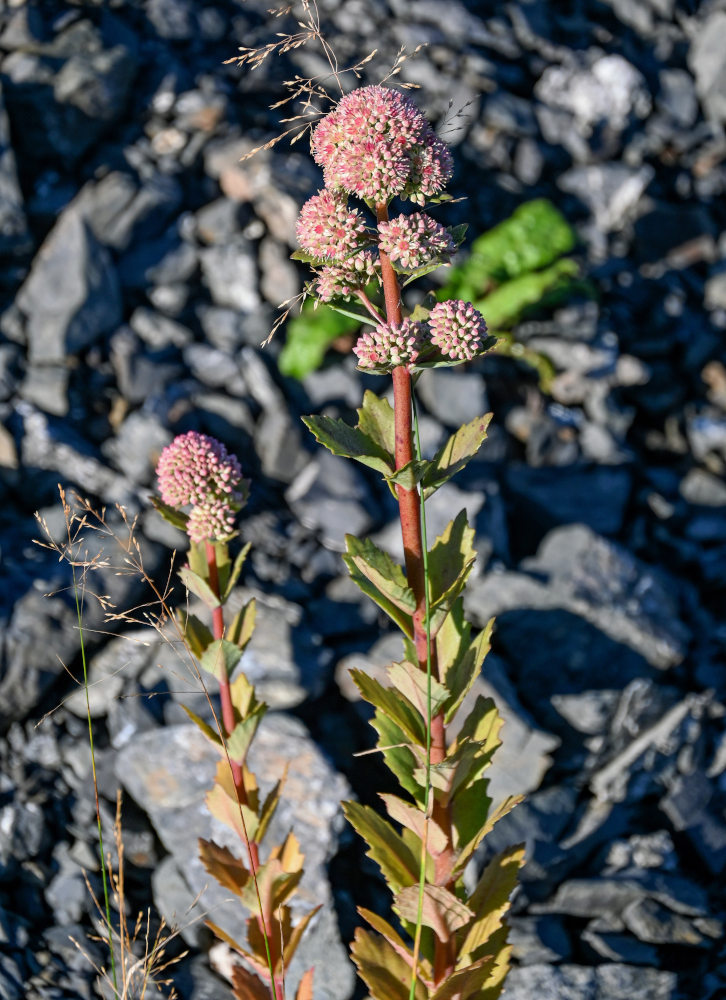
x=409 y=506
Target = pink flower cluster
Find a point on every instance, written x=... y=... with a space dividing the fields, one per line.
x=414 y=240
x=457 y=329
x=390 y=344
x=336 y=280
x=196 y=470
x=327 y=228
x=376 y=144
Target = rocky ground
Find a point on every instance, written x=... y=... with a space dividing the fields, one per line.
x=141 y=267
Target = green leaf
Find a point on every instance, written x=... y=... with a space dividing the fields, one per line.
x=442 y=911
x=458 y=233
x=243 y=625
x=412 y=682
x=220 y=658
x=386 y=847
x=208 y=731
x=378 y=576
x=307 y=258
x=377 y=419
x=175 y=517
x=386 y=973
x=414 y=819
x=409 y=475
x=490 y=899
x=238 y=741
x=435 y=360
x=465 y=670
x=196 y=634
x=421 y=271
x=199 y=586
x=506 y=304
x=352 y=314
x=458 y=451
x=349 y=442
x=234 y=575
x=469 y=812
x=466 y=983
x=399 y=757
x=450 y=562
x=420 y=313
x=393 y=704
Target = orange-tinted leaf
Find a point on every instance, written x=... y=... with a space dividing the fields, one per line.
x=221 y=864
x=305 y=989
x=441 y=910
x=248 y=987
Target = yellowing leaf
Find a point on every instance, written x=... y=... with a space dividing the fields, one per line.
x=414 y=819
x=450 y=562
x=387 y=848
x=441 y=911
x=222 y=865
x=386 y=973
x=243 y=625
x=410 y=680
x=455 y=453
x=466 y=983
x=490 y=899
x=394 y=704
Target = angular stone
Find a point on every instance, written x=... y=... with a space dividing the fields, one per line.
x=168 y=772
x=71 y=296
x=707 y=61
x=329 y=495
x=604 y=982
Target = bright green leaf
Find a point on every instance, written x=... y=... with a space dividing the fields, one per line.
x=376 y=419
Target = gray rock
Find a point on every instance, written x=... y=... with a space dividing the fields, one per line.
x=654 y=923
x=136 y=448
x=168 y=773
x=707 y=61
x=230 y=272
x=65 y=94
x=46 y=386
x=71 y=296
x=677 y=98
x=120 y=212
x=598 y=580
x=14 y=235
x=453 y=397
x=329 y=496
x=109 y=672
x=703 y=489
x=610 y=190
x=159 y=331
x=66 y=893
x=538 y=940
x=687 y=807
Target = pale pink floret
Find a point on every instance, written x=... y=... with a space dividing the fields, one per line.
x=376 y=144
x=327 y=228
x=390 y=345
x=457 y=329
x=212 y=521
x=414 y=240
x=195 y=468
x=343 y=280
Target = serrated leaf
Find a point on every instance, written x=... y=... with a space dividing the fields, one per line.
x=490 y=899
x=466 y=983
x=289 y=853
x=409 y=475
x=175 y=517
x=229 y=811
x=388 y=585
x=269 y=807
x=199 y=586
x=349 y=442
x=220 y=658
x=211 y=733
x=466 y=669
x=393 y=704
x=275 y=886
x=493 y=818
x=196 y=633
x=398 y=757
x=376 y=419
x=246 y=986
x=234 y=575
x=469 y=812
x=502 y=952
x=421 y=271
x=239 y=740
x=392 y=937
x=455 y=454
x=222 y=865
x=450 y=562
x=386 y=973
x=414 y=819
x=386 y=847
x=293 y=941
x=441 y=911
x=413 y=683
x=305 y=987
x=243 y=625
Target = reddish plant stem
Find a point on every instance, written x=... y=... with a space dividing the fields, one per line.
x=409 y=506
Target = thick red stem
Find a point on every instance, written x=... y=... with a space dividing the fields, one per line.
x=409 y=506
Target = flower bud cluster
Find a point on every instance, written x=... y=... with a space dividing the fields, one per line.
x=197 y=471
x=343 y=280
x=457 y=329
x=414 y=240
x=376 y=144
x=327 y=228
x=390 y=344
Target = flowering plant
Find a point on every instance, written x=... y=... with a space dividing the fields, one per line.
x=377 y=146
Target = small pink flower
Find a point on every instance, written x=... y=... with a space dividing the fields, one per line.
x=194 y=469
x=431 y=168
x=211 y=521
x=457 y=329
x=376 y=144
x=327 y=228
x=343 y=280
x=390 y=345
x=414 y=240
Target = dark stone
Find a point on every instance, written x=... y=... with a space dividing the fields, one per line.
x=121 y=212
x=538 y=940
x=687 y=807
x=14 y=235
x=71 y=296
x=666 y=228
x=63 y=95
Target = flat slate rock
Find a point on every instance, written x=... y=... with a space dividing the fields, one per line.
x=169 y=771
x=604 y=982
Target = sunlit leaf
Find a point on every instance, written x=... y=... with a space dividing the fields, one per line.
x=386 y=974
x=490 y=899
x=199 y=586
x=414 y=819
x=176 y=517
x=305 y=988
x=222 y=865
x=376 y=419
x=411 y=681
x=349 y=442
x=386 y=847
x=460 y=448
x=441 y=910
x=234 y=575
x=220 y=658
x=390 y=701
